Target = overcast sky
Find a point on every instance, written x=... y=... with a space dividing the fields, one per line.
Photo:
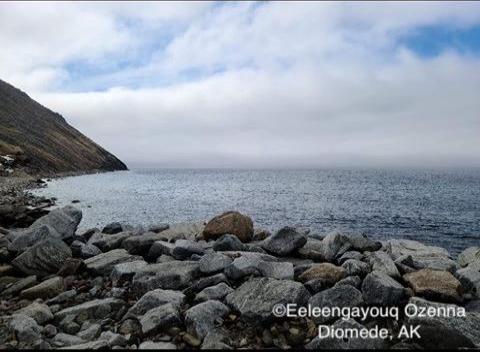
x=256 y=84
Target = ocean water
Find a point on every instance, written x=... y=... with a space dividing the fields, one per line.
x=438 y=207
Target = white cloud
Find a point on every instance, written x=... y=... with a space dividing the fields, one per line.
x=298 y=84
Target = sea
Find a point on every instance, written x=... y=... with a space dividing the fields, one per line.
x=436 y=206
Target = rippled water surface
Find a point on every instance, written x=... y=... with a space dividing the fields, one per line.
x=440 y=207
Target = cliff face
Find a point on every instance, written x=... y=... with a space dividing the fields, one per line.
x=43 y=141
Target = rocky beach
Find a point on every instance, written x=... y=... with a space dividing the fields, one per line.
x=222 y=284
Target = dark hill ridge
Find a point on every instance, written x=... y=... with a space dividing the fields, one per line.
x=48 y=143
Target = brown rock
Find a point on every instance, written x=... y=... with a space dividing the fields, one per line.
x=231 y=222
x=435 y=285
x=325 y=271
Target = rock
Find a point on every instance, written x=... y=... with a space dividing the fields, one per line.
x=113 y=339
x=62 y=340
x=217 y=292
x=316 y=285
x=354 y=281
x=141 y=244
x=103 y=264
x=113 y=228
x=171 y=275
x=313 y=249
x=49 y=330
x=20 y=285
x=258 y=264
x=184 y=249
x=94 y=345
x=84 y=251
x=97 y=308
x=260 y=234
x=38 y=311
x=109 y=242
x=203 y=317
x=333 y=343
x=256 y=298
x=182 y=231
x=469 y=256
x=355 y=267
x=71 y=266
x=62 y=297
x=157 y=228
x=277 y=270
x=229 y=243
x=435 y=285
x=428 y=261
x=350 y=255
x=335 y=245
x=150 y=345
x=44 y=258
x=155 y=299
x=380 y=289
x=229 y=223
x=397 y=248
x=68 y=325
x=204 y=282
x=191 y=340
x=329 y=273
x=381 y=261
x=28 y=237
x=362 y=243
x=212 y=263
x=91 y=332
x=25 y=328
x=445 y=330
x=160 y=248
x=470 y=280
x=337 y=296
x=159 y=318
x=125 y=271
x=285 y=241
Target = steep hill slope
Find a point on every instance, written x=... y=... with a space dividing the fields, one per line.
x=43 y=141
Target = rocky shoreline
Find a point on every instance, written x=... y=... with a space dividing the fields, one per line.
x=220 y=284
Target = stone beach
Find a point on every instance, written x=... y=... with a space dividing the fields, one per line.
x=218 y=284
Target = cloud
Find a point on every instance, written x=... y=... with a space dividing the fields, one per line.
x=253 y=84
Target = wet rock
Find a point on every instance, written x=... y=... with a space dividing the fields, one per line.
x=155 y=299
x=217 y=292
x=19 y=285
x=229 y=223
x=44 y=258
x=333 y=343
x=203 y=317
x=435 y=285
x=381 y=261
x=169 y=276
x=337 y=296
x=38 y=311
x=355 y=267
x=150 y=345
x=113 y=228
x=25 y=328
x=97 y=308
x=108 y=242
x=256 y=298
x=212 y=263
x=285 y=241
x=103 y=264
x=125 y=271
x=469 y=256
x=159 y=318
x=184 y=249
x=380 y=289
x=327 y=272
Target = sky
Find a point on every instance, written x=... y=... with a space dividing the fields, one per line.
x=256 y=84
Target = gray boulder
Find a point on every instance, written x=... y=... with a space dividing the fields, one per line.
x=335 y=245
x=229 y=243
x=97 y=308
x=214 y=262
x=354 y=281
x=38 y=311
x=381 y=261
x=19 y=285
x=113 y=228
x=160 y=248
x=63 y=340
x=83 y=250
x=125 y=271
x=153 y=299
x=380 y=289
x=159 y=318
x=46 y=289
x=202 y=318
x=355 y=267
x=217 y=292
x=256 y=298
x=285 y=241
x=469 y=256
x=44 y=258
x=103 y=264
x=184 y=249
x=141 y=244
x=428 y=261
x=350 y=255
x=106 y=242
x=313 y=249
x=337 y=296
x=362 y=243
x=470 y=280
x=25 y=328
x=397 y=248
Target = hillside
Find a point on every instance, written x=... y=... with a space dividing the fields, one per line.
x=42 y=142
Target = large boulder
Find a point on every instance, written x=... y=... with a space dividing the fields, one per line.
x=433 y=261
x=103 y=264
x=381 y=261
x=256 y=298
x=335 y=245
x=46 y=289
x=469 y=256
x=231 y=222
x=212 y=263
x=380 y=289
x=202 y=318
x=285 y=241
x=329 y=273
x=44 y=258
x=397 y=248
x=25 y=328
x=435 y=285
